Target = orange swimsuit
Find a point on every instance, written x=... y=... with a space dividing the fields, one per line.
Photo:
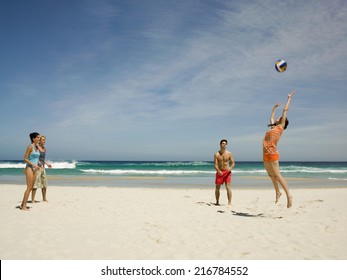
x=270 y=141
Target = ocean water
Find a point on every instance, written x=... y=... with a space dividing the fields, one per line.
x=175 y=173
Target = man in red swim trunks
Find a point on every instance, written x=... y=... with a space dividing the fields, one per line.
x=223 y=163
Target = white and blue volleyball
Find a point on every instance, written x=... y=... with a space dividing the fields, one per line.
x=281 y=65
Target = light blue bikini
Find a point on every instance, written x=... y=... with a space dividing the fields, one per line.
x=33 y=157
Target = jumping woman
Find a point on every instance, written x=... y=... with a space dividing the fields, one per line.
x=271 y=155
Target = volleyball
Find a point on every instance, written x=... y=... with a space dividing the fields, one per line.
x=281 y=65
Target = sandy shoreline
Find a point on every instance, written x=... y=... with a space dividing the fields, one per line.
x=238 y=182
x=103 y=223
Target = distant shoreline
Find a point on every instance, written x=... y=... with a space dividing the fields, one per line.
x=163 y=161
x=238 y=182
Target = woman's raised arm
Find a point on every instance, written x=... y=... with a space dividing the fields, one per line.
x=286 y=107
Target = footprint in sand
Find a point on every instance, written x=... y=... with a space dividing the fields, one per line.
x=204 y=203
x=153 y=232
x=311 y=202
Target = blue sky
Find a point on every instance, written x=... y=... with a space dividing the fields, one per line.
x=166 y=80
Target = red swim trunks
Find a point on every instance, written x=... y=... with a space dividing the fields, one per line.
x=224 y=178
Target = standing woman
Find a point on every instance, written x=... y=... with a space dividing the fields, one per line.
x=270 y=153
x=31 y=158
x=41 y=179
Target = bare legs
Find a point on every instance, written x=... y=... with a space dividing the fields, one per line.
x=229 y=193
x=30 y=178
x=273 y=170
x=217 y=194
x=33 y=193
x=44 y=196
x=41 y=183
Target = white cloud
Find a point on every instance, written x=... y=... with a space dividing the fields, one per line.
x=183 y=73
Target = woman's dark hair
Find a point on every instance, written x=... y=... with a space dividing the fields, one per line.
x=33 y=136
x=285 y=125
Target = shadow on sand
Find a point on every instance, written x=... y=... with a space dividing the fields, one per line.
x=247 y=215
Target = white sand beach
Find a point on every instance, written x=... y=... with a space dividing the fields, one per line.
x=103 y=223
